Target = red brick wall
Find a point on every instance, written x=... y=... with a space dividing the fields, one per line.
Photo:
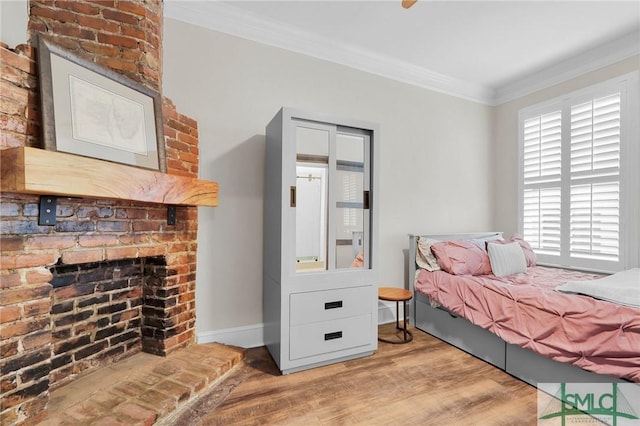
x=19 y=109
x=125 y=36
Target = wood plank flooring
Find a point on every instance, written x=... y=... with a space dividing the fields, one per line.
x=425 y=382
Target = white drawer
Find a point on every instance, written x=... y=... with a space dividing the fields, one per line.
x=330 y=336
x=326 y=305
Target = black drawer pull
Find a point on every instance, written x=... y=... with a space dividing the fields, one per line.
x=332 y=336
x=333 y=305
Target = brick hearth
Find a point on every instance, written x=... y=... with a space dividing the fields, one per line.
x=144 y=389
x=125 y=36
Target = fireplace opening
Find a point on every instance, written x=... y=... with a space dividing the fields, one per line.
x=97 y=314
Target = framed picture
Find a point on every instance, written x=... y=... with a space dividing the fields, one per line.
x=93 y=111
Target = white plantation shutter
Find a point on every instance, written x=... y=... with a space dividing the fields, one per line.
x=595 y=221
x=595 y=179
x=579 y=174
x=542 y=219
x=542 y=148
x=595 y=138
x=542 y=161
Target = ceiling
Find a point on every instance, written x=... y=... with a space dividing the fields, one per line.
x=488 y=51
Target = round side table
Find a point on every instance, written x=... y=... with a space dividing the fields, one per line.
x=397 y=295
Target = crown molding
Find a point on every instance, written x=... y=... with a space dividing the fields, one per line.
x=606 y=54
x=225 y=18
x=230 y=20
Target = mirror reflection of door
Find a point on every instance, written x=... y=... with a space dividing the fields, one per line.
x=332 y=182
x=311 y=184
x=312 y=156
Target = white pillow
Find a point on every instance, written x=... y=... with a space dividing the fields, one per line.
x=506 y=259
x=424 y=258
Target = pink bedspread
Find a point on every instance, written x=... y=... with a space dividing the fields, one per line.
x=523 y=309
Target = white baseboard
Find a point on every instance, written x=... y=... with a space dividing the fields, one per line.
x=387 y=312
x=252 y=336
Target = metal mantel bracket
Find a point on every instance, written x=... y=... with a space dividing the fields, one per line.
x=47 y=213
x=171 y=215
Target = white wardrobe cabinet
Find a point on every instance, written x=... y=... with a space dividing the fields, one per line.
x=320 y=239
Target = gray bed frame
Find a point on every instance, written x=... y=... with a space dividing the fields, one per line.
x=521 y=363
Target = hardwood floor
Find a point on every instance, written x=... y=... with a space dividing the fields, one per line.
x=425 y=382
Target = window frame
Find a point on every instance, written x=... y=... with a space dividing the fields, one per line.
x=628 y=86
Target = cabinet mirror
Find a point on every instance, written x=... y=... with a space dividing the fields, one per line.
x=331 y=197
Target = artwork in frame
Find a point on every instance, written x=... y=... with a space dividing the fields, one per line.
x=93 y=111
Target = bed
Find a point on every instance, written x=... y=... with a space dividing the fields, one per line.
x=519 y=322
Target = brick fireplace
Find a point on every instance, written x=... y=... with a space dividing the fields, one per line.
x=111 y=277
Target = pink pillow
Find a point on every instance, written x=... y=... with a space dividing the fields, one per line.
x=358 y=261
x=529 y=254
x=462 y=257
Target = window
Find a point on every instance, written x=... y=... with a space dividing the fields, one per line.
x=578 y=177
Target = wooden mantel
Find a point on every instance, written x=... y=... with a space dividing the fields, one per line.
x=37 y=171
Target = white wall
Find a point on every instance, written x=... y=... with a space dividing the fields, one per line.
x=505 y=148
x=435 y=174
x=14 y=17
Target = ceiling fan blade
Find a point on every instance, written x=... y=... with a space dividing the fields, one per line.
x=408 y=3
